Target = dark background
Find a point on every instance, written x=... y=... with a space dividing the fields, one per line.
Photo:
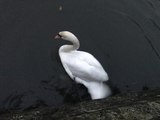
x=123 y=35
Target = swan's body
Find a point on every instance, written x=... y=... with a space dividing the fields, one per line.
x=83 y=67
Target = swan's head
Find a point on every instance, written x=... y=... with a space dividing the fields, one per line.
x=65 y=35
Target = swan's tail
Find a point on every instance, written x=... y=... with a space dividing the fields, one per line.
x=97 y=90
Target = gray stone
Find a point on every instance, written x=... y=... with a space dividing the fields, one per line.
x=127 y=106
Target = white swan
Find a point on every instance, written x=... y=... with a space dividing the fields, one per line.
x=83 y=67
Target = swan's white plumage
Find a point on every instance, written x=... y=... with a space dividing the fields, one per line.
x=97 y=90
x=83 y=67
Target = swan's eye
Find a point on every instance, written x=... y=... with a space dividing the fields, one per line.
x=64 y=36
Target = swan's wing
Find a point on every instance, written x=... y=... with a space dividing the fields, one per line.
x=83 y=65
x=68 y=71
x=88 y=58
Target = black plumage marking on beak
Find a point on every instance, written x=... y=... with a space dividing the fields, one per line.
x=58 y=36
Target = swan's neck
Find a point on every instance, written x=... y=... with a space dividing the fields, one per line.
x=68 y=48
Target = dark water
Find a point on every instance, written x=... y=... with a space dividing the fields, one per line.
x=123 y=35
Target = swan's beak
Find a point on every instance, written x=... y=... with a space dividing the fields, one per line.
x=58 y=36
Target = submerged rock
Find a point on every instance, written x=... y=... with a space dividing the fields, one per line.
x=128 y=106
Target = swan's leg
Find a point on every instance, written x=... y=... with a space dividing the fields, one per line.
x=77 y=90
x=79 y=96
